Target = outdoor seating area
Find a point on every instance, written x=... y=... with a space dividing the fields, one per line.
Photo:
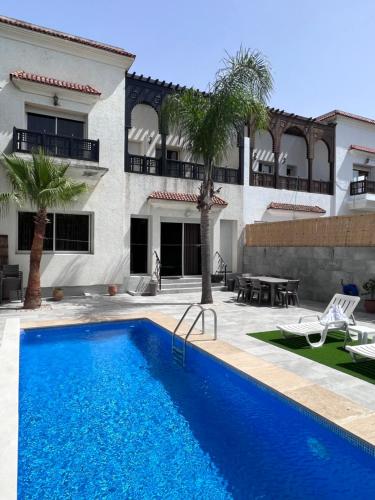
x=11 y=283
x=269 y=290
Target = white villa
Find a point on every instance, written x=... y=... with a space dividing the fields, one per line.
x=76 y=98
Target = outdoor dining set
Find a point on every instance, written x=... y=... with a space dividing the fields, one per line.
x=268 y=289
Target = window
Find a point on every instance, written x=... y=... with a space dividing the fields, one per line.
x=64 y=232
x=291 y=171
x=26 y=231
x=138 y=245
x=172 y=154
x=360 y=173
x=265 y=168
x=55 y=126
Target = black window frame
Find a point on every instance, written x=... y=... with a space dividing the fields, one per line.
x=53 y=216
x=56 y=119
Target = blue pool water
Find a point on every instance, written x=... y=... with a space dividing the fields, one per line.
x=106 y=414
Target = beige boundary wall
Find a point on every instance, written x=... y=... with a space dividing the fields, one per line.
x=340 y=231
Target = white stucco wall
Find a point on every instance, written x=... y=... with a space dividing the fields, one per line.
x=45 y=55
x=350 y=131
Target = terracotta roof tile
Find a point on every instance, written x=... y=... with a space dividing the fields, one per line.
x=337 y=112
x=193 y=198
x=364 y=149
x=296 y=208
x=65 y=36
x=54 y=82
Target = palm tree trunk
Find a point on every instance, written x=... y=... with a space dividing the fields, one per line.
x=33 y=297
x=204 y=205
x=206 y=256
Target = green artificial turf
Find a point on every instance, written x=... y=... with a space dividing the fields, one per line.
x=332 y=353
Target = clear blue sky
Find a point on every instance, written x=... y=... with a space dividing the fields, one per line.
x=321 y=51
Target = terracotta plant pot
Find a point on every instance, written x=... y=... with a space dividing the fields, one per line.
x=112 y=290
x=369 y=305
x=57 y=294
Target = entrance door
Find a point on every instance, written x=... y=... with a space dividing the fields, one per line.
x=171 y=248
x=192 y=249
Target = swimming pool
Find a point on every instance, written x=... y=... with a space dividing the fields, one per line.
x=106 y=413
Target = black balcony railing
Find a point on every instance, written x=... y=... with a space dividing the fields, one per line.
x=362 y=187
x=291 y=183
x=27 y=141
x=322 y=187
x=262 y=180
x=180 y=169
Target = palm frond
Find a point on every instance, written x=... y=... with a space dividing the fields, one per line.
x=209 y=124
x=41 y=181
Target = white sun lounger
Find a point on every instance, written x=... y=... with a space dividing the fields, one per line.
x=364 y=350
x=304 y=329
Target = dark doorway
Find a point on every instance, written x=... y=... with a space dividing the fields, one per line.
x=192 y=249
x=138 y=245
x=180 y=249
x=171 y=248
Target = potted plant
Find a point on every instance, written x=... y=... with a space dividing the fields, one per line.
x=57 y=294
x=369 y=288
x=112 y=290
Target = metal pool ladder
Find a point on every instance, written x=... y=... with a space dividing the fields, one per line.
x=178 y=353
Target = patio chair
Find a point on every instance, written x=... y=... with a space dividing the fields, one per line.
x=259 y=290
x=11 y=280
x=364 y=350
x=244 y=289
x=347 y=303
x=289 y=292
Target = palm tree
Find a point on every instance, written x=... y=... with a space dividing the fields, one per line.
x=209 y=123
x=42 y=184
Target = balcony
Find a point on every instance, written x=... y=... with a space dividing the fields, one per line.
x=180 y=169
x=290 y=183
x=26 y=141
x=362 y=187
x=362 y=196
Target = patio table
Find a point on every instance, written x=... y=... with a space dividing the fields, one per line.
x=272 y=282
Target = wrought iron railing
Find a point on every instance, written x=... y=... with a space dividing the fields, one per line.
x=180 y=169
x=293 y=183
x=322 y=187
x=362 y=187
x=27 y=141
x=222 y=267
x=157 y=270
x=262 y=180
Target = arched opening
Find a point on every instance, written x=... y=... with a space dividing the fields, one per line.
x=321 y=166
x=263 y=157
x=293 y=161
x=144 y=134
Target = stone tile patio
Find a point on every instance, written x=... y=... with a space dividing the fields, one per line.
x=234 y=321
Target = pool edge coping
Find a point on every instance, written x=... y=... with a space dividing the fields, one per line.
x=9 y=380
x=358 y=421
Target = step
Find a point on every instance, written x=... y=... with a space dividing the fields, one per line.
x=184 y=289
